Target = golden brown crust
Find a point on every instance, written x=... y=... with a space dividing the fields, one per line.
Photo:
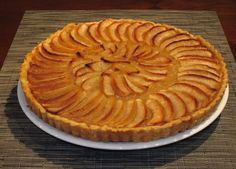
x=106 y=133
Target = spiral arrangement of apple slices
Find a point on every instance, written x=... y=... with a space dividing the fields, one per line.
x=123 y=73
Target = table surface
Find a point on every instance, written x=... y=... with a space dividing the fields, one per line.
x=11 y=12
x=23 y=145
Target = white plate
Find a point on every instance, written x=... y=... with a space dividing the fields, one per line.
x=117 y=145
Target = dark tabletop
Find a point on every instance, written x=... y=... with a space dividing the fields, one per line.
x=11 y=12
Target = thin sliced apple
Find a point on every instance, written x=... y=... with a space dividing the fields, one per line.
x=80 y=79
x=93 y=31
x=107 y=85
x=133 y=86
x=57 y=106
x=50 y=56
x=82 y=95
x=158 y=40
x=91 y=104
x=198 y=94
x=139 y=116
x=195 y=52
x=131 y=33
x=210 y=83
x=113 y=33
x=200 y=68
x=91 y=83
x=120 y=86
x=177 y=103
x=149 y=35
x=186 y=48
x=135 y=78
x=47 y=95
x=47 y=46
x=83 y=30
x=102 y=29
x=176 y=38
x=182 y=43
x=201 y=73
x=141 y=30
x=157 y=112
x=125 y=67
x=191 y=61
x=116 y=111
x=100 y=113
x=123 y=118
x=165 y=103
x=122 y=31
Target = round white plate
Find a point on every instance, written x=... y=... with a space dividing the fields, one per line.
x=117 y=145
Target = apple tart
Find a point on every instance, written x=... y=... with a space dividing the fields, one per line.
x=123 y=80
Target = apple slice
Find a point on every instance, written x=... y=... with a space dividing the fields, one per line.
x=83 y=31
x=82 y=71
x=80 y=79
x=141 y=30
x=149 y=35
x=189 y=101
x=151 y=76
x=131 y=33
x=93 y=32
x=186 y=48
x=55 y=107
x=163 y=36
x=102 y=29
x=125 y=67
x=78 y=38
x=123 y=117
x=120 y=86
x=198 y=94
x=156 y=110
x=191 y=61
x=99 y=66
x=156 y=61
x=58 y=45
x=182 y=43
x=90 y=105
x=113 y=33
x=82 y=95
x=203 y=73
x=194 y=52
x=70 y=41
x=131 y=48
x=139 y=115
x=177 y=104
x=132 y=85
x=102 y=111
x=200 y=68
x=107 y=85
x=91 y=83
x=208 y=91
x=116 y=111
x=140 y=81
x=47 y=95
x=49 y=56
x=165 y=103
x=176 y=38
x=47 y=46
x=122 y=31
x=210 y=83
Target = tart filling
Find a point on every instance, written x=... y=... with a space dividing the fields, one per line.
x=123 y=80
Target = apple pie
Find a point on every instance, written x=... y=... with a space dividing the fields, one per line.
x=123 y=80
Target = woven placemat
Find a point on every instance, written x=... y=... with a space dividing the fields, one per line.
x=23 y=145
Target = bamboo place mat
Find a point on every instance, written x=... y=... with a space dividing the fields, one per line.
x=23 y=145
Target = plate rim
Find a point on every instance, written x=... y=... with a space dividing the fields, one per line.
x=117 y=145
